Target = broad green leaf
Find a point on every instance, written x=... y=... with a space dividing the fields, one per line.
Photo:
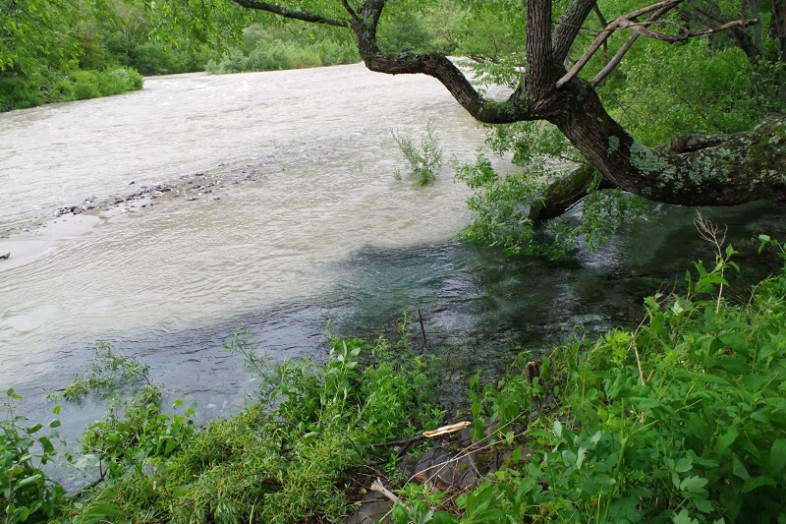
x=683 y=465
x=739 y=470
x=778 y=456
x=726 y=440
x=694 y=484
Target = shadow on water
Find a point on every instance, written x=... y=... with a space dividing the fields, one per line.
x=479 y=308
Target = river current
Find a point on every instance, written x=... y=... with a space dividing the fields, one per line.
x=304 y=223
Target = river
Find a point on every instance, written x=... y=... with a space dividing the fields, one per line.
x=270 y=204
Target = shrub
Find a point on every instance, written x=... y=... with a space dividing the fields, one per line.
x=678 y=421
x=28 y=494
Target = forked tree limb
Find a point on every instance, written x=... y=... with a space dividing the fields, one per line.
x=614 y=62
x=643 y=30
x=607 y=32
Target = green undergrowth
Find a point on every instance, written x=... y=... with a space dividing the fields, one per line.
x=681 y=420
x=291 y=456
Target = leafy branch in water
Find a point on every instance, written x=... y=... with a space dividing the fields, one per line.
x=423 y=160
x=502 y=206
x=107 y=372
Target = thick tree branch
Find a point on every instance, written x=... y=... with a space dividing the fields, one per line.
x=569 y=26
x=436 y=66
x=540 y=58
x=563 y=193
x=289 y=13
x=440 y=67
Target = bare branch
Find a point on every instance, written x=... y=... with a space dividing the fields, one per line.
x=288 y=13
x=611 y=65
x=606 y=33
x=615 y=61
x=684 y=35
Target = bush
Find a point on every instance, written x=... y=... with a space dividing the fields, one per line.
x=17 y=92
x=678 y=421
x=28 y=494
x=85 y=84
x=282 y=460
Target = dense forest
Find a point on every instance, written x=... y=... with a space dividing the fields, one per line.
x=678 y=419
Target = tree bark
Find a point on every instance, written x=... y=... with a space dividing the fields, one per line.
x=778 y=25
x=738 y=168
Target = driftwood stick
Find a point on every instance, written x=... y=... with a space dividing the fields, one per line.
x=422 y=329
x=385 y=492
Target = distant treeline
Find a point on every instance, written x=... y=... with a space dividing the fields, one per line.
x=77 y=49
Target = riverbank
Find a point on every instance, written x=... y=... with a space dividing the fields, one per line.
x=66 y=86
x=678 y=419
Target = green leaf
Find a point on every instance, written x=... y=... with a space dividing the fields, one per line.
x=568 y=457
x=46 y=444
x=683 y=465
x=737 y=343
x=646 y=402
x=30 y=480
x=580 y=458
x=726 y=440
x=704 y=505
x=557 y=428
x=738 y=468
x=182 y=490
x=683 y=517
x=694 y=484
x=778 y=456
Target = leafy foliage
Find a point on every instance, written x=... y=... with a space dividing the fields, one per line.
x=108 y=372
x=423 y=160
x=281 y=460
x=679 y=421
x=28 y=495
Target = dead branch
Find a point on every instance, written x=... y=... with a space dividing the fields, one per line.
x=611 y=65
x=378 y=487
x=641 y=29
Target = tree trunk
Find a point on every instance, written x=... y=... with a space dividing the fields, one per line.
x=724 y=171
x=778 y=25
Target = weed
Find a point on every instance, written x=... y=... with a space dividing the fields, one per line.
x=28 y=495
x=426 y=159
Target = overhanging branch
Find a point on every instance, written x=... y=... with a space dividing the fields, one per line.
x=629 y=21
x=441 y=68
x=289 y=13
x=614 y=62
x=643 y=30
x=607 y=32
